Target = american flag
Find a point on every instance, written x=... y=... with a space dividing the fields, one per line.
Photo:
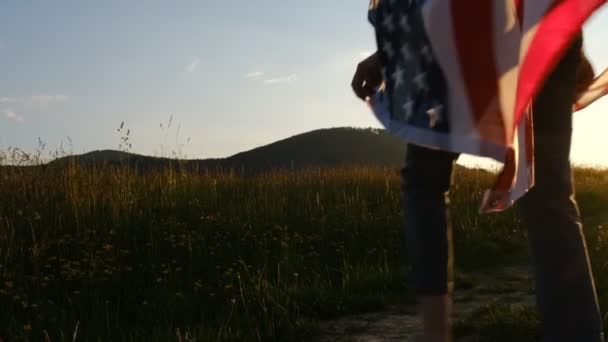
x=460 y=76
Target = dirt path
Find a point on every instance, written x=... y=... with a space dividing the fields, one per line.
x=511 y=286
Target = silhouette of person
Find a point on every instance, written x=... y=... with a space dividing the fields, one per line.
x=566 y=295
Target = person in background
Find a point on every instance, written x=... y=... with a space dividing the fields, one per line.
x=566 y=295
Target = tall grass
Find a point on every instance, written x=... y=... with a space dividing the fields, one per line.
x=100 y=253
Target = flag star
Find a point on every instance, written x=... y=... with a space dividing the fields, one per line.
x=435 y=115
x=398 y=76
x=427 y=54
x=404 y=23
x=388 y=49
x=392 y=2
x=408 y=108
x=420 y=81
x=405 y=51
x=388 y=23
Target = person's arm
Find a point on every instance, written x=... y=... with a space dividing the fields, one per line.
x=368 y=77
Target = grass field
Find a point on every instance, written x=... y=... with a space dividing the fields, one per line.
x=104 y=254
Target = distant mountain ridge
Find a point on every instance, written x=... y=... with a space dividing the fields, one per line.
x=319 y=148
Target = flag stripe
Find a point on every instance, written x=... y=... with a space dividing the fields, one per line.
x=519 y=6
x=555 y=32
x=475 y=48
x=444 y=48
x=507 y=40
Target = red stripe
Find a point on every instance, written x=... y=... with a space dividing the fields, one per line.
x=556 y=31
x=506 y=177
x=519 y=5
x=473 y=27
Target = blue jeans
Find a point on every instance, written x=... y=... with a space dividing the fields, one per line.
x=565 y=289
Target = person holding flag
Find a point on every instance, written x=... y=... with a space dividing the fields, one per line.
x=503 y=86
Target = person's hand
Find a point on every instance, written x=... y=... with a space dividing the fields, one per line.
x=585 y=75
x=368 y=77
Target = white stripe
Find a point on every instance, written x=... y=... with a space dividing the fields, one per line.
x=438 y=23
x=507 y=40
x=534 y=10
x=495 y=199
x=524 y=176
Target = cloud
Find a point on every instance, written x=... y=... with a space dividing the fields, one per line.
x=282 y=80
x=259 y=76
x=193 y=65
x=32 y=100
x=11 y=115
x=254 y=75
x=43 y=99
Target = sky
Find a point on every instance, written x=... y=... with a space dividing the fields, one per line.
x=200 y=78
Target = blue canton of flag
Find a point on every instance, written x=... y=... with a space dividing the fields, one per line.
x=415 y=89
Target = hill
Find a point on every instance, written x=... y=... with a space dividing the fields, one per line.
x=319 y=148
